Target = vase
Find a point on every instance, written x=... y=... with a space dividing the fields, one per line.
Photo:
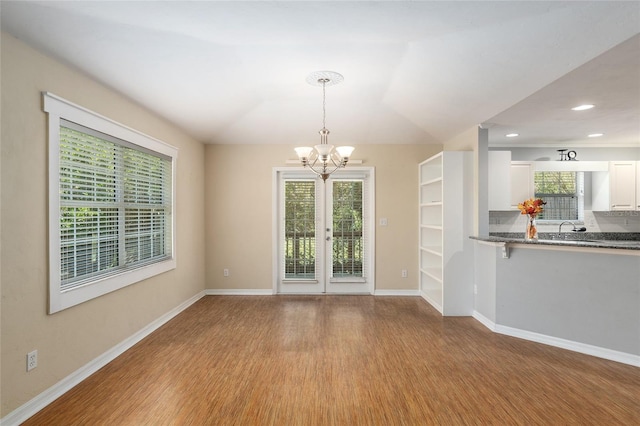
x=531 y=233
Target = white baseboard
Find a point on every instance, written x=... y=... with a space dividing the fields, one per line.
x=597 y=351
x=238 y=292
x=571 y=345
x=36 y=404
x=268 y=292
x=430 y=301
x=484 y=320
x=396 y=293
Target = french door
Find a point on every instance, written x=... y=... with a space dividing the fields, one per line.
x=324 y=232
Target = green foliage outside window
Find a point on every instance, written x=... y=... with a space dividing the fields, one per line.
x=560 y=192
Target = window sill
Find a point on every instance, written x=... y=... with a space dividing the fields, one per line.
x=60 y=300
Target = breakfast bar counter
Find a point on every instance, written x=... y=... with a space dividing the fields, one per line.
x=579 y=295
x=605 y=241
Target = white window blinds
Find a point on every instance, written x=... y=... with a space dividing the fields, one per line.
x=563 y=193
x=115 y=205
x=300 y=229
x=348 y=225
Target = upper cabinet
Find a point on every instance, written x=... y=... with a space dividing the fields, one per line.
x=571 y=166
x=622 y=185
x=637 y=185
x=510 y=182
x=499 y=180
x=618 y=188
x=522 y=186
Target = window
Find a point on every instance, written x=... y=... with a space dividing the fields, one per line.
x=348 y=223
x=347 y=237
x=110 y=205
x=564 y=194
x=300 y=229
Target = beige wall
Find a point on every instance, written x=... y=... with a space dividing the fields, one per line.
x=69 y=339
x=238 y=211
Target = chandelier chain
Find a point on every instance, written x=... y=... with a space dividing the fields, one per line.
x=324 y=105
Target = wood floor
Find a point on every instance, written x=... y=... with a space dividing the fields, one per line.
x=344 y=360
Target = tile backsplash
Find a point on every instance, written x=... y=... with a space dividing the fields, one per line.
x=617 y=221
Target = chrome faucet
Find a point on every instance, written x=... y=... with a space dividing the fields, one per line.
x=560 y=227
x=583 y=229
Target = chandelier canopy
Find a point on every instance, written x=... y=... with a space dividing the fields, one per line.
x=324 y=159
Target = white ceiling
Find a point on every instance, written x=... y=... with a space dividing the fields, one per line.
x=611 y=82
x=415 y=72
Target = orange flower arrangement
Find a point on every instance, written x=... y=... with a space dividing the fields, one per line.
x=531 y=207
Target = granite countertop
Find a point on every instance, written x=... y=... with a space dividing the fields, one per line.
x=614 y=240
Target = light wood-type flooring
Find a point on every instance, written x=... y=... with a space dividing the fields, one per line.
x=344 y=360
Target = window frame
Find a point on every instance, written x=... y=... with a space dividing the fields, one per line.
x=59 y=109
x=579 y=195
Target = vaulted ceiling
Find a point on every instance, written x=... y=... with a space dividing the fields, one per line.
x=414 y=72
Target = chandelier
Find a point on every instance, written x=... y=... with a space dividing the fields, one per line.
x=324 y=159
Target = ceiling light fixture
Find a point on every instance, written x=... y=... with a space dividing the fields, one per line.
x=512 y=135
x=582 y=107
x=595 y=135
x=323 y=157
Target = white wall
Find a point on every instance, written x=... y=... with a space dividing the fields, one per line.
x=475 y=139
x=581 y=296
x=585 y=299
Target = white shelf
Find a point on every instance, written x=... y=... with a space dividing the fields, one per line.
x=437 y=227
x=430 y=170
x=432 y=181
x=435 y=250
x=445 y=261
x=434 y=273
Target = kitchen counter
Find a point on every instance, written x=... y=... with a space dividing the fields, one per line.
x=594 y=243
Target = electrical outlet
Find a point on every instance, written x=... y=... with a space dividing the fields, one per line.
x=225 y=272
x=405 y=273
x=32 y=360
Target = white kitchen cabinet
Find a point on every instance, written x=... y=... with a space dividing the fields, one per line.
x=600 y=191
x=522 y=186
x=499 y=180
x=445 y=224
x=622 y=181
x=637 y=185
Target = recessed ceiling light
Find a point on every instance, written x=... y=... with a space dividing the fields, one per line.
x=582 y=107
x=595 y=135
x=512 y=135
